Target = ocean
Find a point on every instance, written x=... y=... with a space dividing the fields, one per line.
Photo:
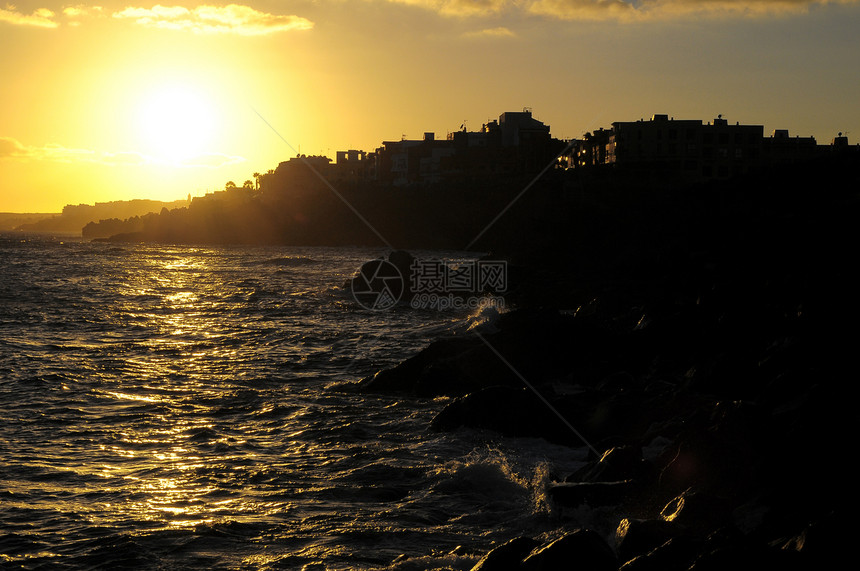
x=180 y=407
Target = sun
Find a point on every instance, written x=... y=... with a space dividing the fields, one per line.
x=176 y=123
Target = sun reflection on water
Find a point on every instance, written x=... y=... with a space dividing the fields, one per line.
x=190 y=415
x=178 y=303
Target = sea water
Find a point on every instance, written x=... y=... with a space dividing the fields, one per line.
x=181 y=407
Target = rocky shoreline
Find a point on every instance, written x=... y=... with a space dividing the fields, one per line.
x=713 y=392
x=716 y=443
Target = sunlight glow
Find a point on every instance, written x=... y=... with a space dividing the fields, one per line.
x=176 y=123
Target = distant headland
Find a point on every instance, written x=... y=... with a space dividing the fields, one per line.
x=75 y=216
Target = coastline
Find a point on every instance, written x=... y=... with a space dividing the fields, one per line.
x=691 y=335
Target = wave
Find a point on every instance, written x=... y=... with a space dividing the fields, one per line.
x=482 y=320
x=286 y=261
x=178 y=387
x=486 y=487
x=448 y=561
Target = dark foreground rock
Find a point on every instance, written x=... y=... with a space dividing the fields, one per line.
x=718 y=440
x=508 y=556
x=580 y=549
x=702 y=349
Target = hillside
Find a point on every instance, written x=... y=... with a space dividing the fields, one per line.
x=74 y=217
x=12 y=220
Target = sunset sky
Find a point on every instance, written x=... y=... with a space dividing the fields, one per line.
x=125 y=100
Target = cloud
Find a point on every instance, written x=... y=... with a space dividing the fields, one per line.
x=243 y=20
x=499 y=32
x=11 y=148
x=588 y=10
x=472 y=7
x=460 y=8
x=649 y=10
x=40 y=18
x=619 y=10
x=81 y=10
x=74 y=14
x=230 y=19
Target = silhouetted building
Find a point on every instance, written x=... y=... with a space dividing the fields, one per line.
x=353 y=165
x=520 y=129
x=688 y=147
x=408 y=162
x=781 y=148
x=515 y=144
x=840 y=141
x=712 y=150
x=691 y=149
x=591 y=150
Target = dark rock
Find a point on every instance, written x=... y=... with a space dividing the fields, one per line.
x=635 y=537
x=402 y=260
x=719 y=449
x=698 y=513
x=676 y=554
x=410 y=375
x=749 y=556
x=539 y=345
x=507 y=410
x=471 y=370
x=619 y=382
x=508 y=556
x=822 y=544
x=613 y=418
x=732 y=357
x=617 y=463
x=573 y=494
x=582 y=550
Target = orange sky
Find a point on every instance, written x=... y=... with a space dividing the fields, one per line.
x=125 y=100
